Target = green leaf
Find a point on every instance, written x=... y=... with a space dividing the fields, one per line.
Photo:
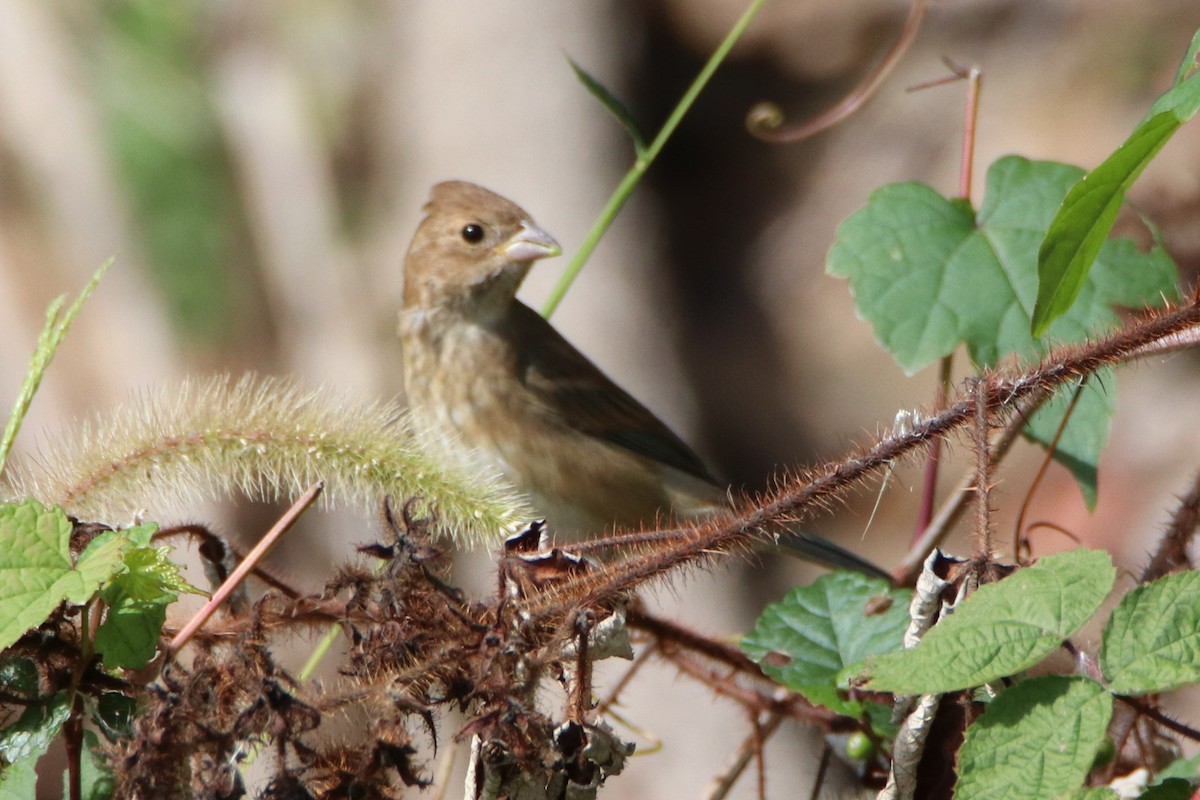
x=902 y=256
x=137 y=600
x=129 y=636
x=19 y=781
x=98 y=562
x=149 y=574
x=1152 y=640
x=805 y=640
x=1123 y=277
x=1002 y=629
x=1189 y=65
x=1087 y=214
x=928 y=277
x=36 y=570
x=1098 y=793
x=1187 y=769
x=1036 y=740
x=613 y=104
x=1170 y=789
x=33 y=731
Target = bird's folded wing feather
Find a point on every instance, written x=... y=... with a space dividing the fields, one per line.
x=574 y=390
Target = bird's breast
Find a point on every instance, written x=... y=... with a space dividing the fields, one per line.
x=465 y=387
x=455 y=374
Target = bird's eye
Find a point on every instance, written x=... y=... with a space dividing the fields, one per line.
x=472 y=233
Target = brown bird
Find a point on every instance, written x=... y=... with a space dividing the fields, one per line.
x=501 y=387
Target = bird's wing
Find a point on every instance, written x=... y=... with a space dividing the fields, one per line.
x=572 y=388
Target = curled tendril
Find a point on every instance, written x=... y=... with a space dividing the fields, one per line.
x=766 y=120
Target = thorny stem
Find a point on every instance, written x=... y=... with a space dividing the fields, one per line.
x=657 y=553
x=671 y=638
x=1161 y=718
x=804 y=496
x=778 y=707
x=766 y=120
x=669 y=632
x=933 y=462
x=983 y=477
x=582 y=690
x=1173 y=549
x=789 y=703
x=952 y=509
x=1174 y=343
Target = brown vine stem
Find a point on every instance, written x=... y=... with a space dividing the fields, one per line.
x=965 y=182
x=983 y=477
x=1175 y=343
x=966 y=168
x=952 y=509
x=581 y=690
x=669 y=632
x=1047 y=459
x=722 y=684
x=933 y=462
x=1173 y=549
x=282 y=526
x=822 y=770
x=73 y=738
x=217 y=552
x=766 y=120
x=1162 y=719
x=655 y=554
x=750 y=747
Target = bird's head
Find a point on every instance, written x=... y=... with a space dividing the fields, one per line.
x=471 y=251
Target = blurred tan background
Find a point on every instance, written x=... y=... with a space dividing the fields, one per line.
x=256 y=169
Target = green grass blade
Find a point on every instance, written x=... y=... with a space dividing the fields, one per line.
x=52 y=335
x=631 y=179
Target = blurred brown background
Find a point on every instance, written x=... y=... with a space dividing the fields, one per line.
x=257 y=169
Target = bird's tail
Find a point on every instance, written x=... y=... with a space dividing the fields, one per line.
x=811 y=547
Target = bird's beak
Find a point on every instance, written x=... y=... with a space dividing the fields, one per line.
x=530 y=243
